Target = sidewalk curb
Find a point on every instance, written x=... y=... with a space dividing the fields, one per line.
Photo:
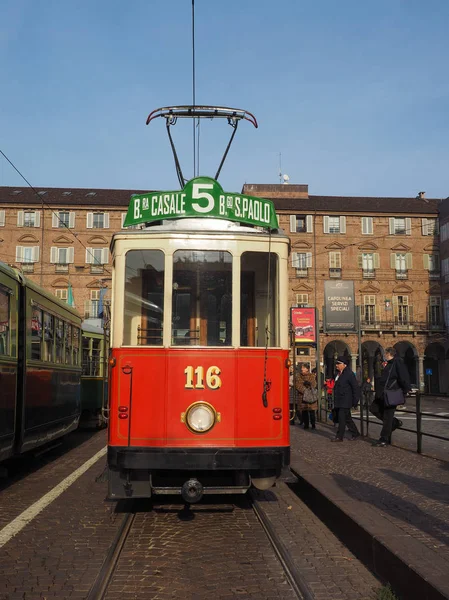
x=411 y=568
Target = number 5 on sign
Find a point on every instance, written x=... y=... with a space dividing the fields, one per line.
x=213 y=381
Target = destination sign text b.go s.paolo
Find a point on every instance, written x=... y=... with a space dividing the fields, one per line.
x=201 y=197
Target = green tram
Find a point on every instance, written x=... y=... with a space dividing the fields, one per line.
x=40 y=365
x=94 y=391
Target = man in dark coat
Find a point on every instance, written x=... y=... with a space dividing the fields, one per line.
x=394 y=376
x=346 y=396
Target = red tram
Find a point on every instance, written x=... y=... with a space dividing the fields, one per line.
x=199 y=361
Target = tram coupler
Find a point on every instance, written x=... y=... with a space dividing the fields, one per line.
x=192 y=491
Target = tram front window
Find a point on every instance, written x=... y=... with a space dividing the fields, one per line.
x=202 y=298
x=259 y=300
x=144 y=298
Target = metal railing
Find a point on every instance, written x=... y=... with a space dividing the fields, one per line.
x=326 y=406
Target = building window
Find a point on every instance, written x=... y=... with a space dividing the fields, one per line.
x=302 y=300
x=63 y=219
x=400 y=226
x=2 y=218
x=369 y=262
x=335 y=265
x=28 y=218
x=334 y=224
x=435 y=311
x=369 y=310
x=429 y=226
x=402 y=310
x=301 y=261
x=445 y=270
x=444 y=232
x=96 y=258
x=62 y=294
x=27 y=254
x=401 y=263
x=432 y=264
x=62 y=257
x=98 y=220
x=301 y=224
x=367 y=225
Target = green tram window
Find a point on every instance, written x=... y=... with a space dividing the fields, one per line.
x=59 y=340
x=144 y=298
x=202 y=298
x=49 y=336
x=76 y=345
x=68 y=343
x=5 y=322
x=36 y=334
x=258 y=300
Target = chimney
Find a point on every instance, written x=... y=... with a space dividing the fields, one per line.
x=421 y=195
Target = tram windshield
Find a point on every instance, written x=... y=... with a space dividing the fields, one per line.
x=202 y=298
x=259 y=300
x=144 y=298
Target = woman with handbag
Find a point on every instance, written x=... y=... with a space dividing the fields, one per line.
x=391 y=389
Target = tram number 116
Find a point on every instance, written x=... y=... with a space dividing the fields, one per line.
x=213 y=381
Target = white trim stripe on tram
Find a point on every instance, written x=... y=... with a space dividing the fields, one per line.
x=17 y=524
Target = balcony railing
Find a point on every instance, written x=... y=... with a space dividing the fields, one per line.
x=396 y=325
x=302 y=273
x=62 y=268
x=96 y=269
x=92 y=308
x=434 y=275
x=401 y=274
x=335 y=273
x=28 y=267
x=369 y=273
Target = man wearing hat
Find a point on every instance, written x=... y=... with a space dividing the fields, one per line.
x=346 y=396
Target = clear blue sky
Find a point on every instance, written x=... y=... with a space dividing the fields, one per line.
x=354 y=94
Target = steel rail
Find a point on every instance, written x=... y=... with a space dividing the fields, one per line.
x=293 y=574
x=101 y=583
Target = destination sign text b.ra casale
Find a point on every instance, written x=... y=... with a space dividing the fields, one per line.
x=201 y=197
x=339 y=306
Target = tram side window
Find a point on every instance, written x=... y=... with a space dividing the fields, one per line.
x=86 y=355
x=68 y=343
x=48 y=348
x=59 y=340
x=5 y=322
x=76 y=345
x=202 y=298
x=36 y=334
x=259 y=300
x=144 y=298
x=96 y=357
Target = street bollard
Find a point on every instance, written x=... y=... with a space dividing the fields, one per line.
x=418 y=424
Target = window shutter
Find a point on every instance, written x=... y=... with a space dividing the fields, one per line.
x=331 y=260
x=2 y=218
x=20 y=218
x=71 y=219
x=391 y=225
x=367 y=225
x=71 y=255
x=35 y=254
x=360 y=261
x=37 y=218
x=409 y=260
x=393 y=261
x=55 y=219
x=90 y=220
x=425 y=258
x=106 y=220
x=295 y=260
x=425 y=226
x=124 y=217
x=377 y=313
x=437 y=227
x=53 y=255
x=104 y=256
x=89 y=256
x=326 y=224
x=309 y=223
x=292 y=223
x=408 y=226
x=437 y=262
x=309 y=260
x=376 y=260
x=342 y=224
x=19 y=253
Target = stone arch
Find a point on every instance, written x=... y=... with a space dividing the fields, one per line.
x=372 y=356
x=434 y=361
x=409 y=355
x=333 y=349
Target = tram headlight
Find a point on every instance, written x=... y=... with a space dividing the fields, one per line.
x=200 y=417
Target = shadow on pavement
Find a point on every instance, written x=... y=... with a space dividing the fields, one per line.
x=432 y=489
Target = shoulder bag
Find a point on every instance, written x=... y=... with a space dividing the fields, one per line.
x=393 y=398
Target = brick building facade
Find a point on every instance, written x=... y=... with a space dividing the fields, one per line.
x=389 y=247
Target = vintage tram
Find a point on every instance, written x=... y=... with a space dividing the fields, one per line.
x=199 y=359
x=94 y=384
x=40 y=366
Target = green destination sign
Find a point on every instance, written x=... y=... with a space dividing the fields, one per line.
x=201 y=197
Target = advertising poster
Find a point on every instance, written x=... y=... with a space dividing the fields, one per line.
x=303 y=323
x=339 y=306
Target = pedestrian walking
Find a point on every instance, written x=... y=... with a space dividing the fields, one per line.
x=304 y=409
x=394 y=377
x=346 y=396
x=310 y=399
x=367 y=388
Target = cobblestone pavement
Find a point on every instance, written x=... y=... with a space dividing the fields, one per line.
x=329 y=569
x=409 y=490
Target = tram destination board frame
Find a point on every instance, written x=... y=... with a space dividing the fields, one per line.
x=339 y=312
